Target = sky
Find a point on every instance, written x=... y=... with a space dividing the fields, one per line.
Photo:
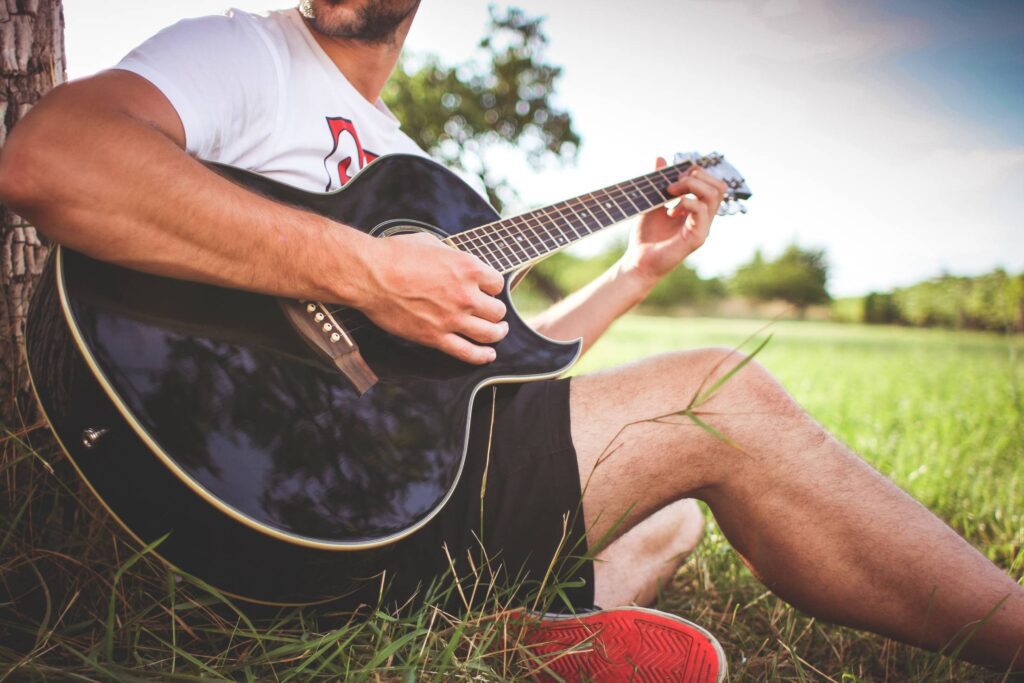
x=888 y=132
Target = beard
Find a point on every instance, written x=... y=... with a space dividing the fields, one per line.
x=375 y=21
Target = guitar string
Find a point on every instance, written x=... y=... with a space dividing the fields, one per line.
x=682 y=166
x=502 y=236
x=543 y=218
x=509 y=246
x=500 y=239
x=484 y=236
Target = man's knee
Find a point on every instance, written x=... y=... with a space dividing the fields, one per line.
x=747 y=419
x=724 y=378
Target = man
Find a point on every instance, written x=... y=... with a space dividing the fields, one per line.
x=812 y=520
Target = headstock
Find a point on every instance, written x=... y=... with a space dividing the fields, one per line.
x=716 y=165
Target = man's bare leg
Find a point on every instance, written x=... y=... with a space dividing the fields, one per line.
x=819 y=526
x=634 y=567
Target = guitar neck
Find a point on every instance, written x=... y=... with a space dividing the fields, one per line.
x=513 y=243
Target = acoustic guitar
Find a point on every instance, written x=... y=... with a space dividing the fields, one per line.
x=282 y=447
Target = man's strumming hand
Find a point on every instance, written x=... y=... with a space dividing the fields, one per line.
x=664 y=237
x=423 y=290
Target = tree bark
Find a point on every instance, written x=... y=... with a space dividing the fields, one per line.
x=31 y=63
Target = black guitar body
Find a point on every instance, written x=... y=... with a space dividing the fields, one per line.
x=199 y=412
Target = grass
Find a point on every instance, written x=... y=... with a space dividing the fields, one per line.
x=941 y=413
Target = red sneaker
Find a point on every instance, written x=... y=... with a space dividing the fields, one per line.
x=624 y=644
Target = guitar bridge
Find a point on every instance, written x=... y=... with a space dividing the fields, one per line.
x=318 y=327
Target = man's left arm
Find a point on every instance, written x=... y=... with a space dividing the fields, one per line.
x=663 y=238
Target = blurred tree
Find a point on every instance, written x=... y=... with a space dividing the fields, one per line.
x=993 y=301
x=458 y=112
x=563 y=273
x=880 y=309
x=798 y=276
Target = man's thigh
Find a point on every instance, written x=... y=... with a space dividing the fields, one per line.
x=638 y=451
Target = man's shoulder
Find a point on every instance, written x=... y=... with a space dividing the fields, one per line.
x=233 y=29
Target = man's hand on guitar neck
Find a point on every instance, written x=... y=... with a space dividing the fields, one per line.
x=665 y=237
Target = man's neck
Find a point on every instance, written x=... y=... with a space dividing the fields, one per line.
x=367 y=66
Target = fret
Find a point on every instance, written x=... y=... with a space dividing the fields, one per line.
x=533 y=245
x=664 y=174
x=480 y=250
x=596 y=201
x=490 y=254
x=462 y=242
x=503 y=260
x=664 y=177
x=582 y=217
x=633 y=195
x=506 y=244
x=619 y=197
x=566 y=221
x=519 y=240
x=558 y=236
x=549 y=239
x=659 y=193
x=612 y=207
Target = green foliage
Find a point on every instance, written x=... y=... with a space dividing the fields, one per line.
x=564 y=273
x=569 y=272
x=797 y=276
x=881 y=308
x=994 y=301
x=847 y=310
x=456 y=112
x=683 y=286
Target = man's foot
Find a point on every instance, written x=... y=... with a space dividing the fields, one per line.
x=624 y=644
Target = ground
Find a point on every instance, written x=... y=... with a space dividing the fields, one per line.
x=941 y=413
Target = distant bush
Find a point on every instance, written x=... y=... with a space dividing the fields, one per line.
x=797 y=276
x=881 y=309
x=994 y=301
x=847 y=310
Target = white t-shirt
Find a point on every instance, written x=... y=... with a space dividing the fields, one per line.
x=258 y=92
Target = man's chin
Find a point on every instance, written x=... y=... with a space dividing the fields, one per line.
x=371 y=22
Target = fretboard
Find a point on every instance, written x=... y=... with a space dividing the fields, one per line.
x=511 y=243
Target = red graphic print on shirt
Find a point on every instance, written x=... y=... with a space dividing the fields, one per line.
x=347 y=156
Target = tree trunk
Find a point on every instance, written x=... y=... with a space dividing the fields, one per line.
x=31 y=63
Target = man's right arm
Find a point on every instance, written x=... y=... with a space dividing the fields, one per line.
x=99 y=165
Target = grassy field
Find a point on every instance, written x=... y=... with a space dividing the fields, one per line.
x=940 y=413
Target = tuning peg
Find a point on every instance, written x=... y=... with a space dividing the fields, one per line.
x=730 y=207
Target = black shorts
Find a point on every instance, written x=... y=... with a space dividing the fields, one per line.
x=532 y=528
x=532 y=504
